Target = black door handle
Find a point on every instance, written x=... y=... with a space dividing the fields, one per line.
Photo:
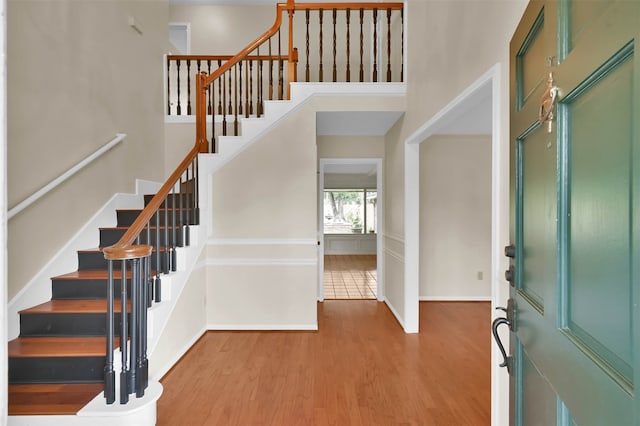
x=507 y=360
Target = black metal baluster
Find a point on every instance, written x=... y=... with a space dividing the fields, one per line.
x=143 y=326
x=182 y=216
x=124 y=376
x=260 y=85
x=187 y=236
x=109 y=373
x=235 y=99
x=173 y=233
x=239 y=86
x=196 y=214
x=224 y=103
x=158 y=283
x=133 y=359
x=149 y=281
x=166 y=267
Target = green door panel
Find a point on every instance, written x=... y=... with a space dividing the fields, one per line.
x=575 y=214
x=598 y=274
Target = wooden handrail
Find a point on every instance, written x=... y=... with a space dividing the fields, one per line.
x=249 y=48
x=123 y=248
x=346 y=5
x=222 y=57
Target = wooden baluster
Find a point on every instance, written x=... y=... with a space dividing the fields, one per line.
x=389 y=45
x=270 y=72
x=235 y=94
x=320 y=77
x=246 y=91
x=306 y=72
x=239 y=87
x=251 y=87
x=402 y=45
x=230 y=108
x=348 y=46
x=168 y=86
x=280 y=70
x=375 y=45
x=260 y=84
x=220 y=84
x=179 y=109
x=361 y=46
x=335 y=47
x=188 y=86
x=224 y=102
x=211 y=100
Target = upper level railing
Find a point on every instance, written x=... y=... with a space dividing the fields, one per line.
x=328 y=42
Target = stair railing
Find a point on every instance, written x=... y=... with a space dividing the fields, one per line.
x=145 y=251
x=235 y=86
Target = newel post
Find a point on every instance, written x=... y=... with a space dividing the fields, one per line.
x=201 y=112
x=292 y=72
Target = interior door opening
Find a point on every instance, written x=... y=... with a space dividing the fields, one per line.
x=349 y=218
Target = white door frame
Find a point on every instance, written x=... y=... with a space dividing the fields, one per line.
x=379 y=211
x=499 y=217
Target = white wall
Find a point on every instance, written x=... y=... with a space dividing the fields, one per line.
x=455 y=219
x=77 y=75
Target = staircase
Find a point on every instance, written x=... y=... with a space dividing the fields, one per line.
x=56 y=365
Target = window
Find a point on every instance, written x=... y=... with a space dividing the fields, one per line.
x=350 y=211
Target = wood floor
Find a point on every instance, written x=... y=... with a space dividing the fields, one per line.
x=360 y=368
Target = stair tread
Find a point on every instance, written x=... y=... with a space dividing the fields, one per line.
x=72 y=306
x=34 y=347
x=95 y=274
x=50 y=399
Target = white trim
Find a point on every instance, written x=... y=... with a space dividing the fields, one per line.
x=179 y=354
x=399 y=257
x=261 y=327
x=261 y=242
x=395 y=237
x=395 y=313
x=261 y=262
x=455 y=298
x=66 y=175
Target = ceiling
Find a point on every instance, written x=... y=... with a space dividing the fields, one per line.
x=356 y=123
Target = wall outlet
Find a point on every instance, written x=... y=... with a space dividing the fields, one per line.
x=480 y=275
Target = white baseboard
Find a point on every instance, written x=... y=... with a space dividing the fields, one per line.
x=262 y=327
x=455 y=298
x=395 y=313
x=179 y=354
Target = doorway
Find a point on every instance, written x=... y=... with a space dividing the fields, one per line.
x=349 y=229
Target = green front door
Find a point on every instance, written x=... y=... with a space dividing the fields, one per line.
x=575 y=217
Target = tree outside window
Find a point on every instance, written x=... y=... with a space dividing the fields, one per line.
x=350 y=211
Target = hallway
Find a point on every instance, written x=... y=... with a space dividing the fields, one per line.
x=360 y=368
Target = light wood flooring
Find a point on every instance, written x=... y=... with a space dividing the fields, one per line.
x=360 y=368
x=350 y=277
